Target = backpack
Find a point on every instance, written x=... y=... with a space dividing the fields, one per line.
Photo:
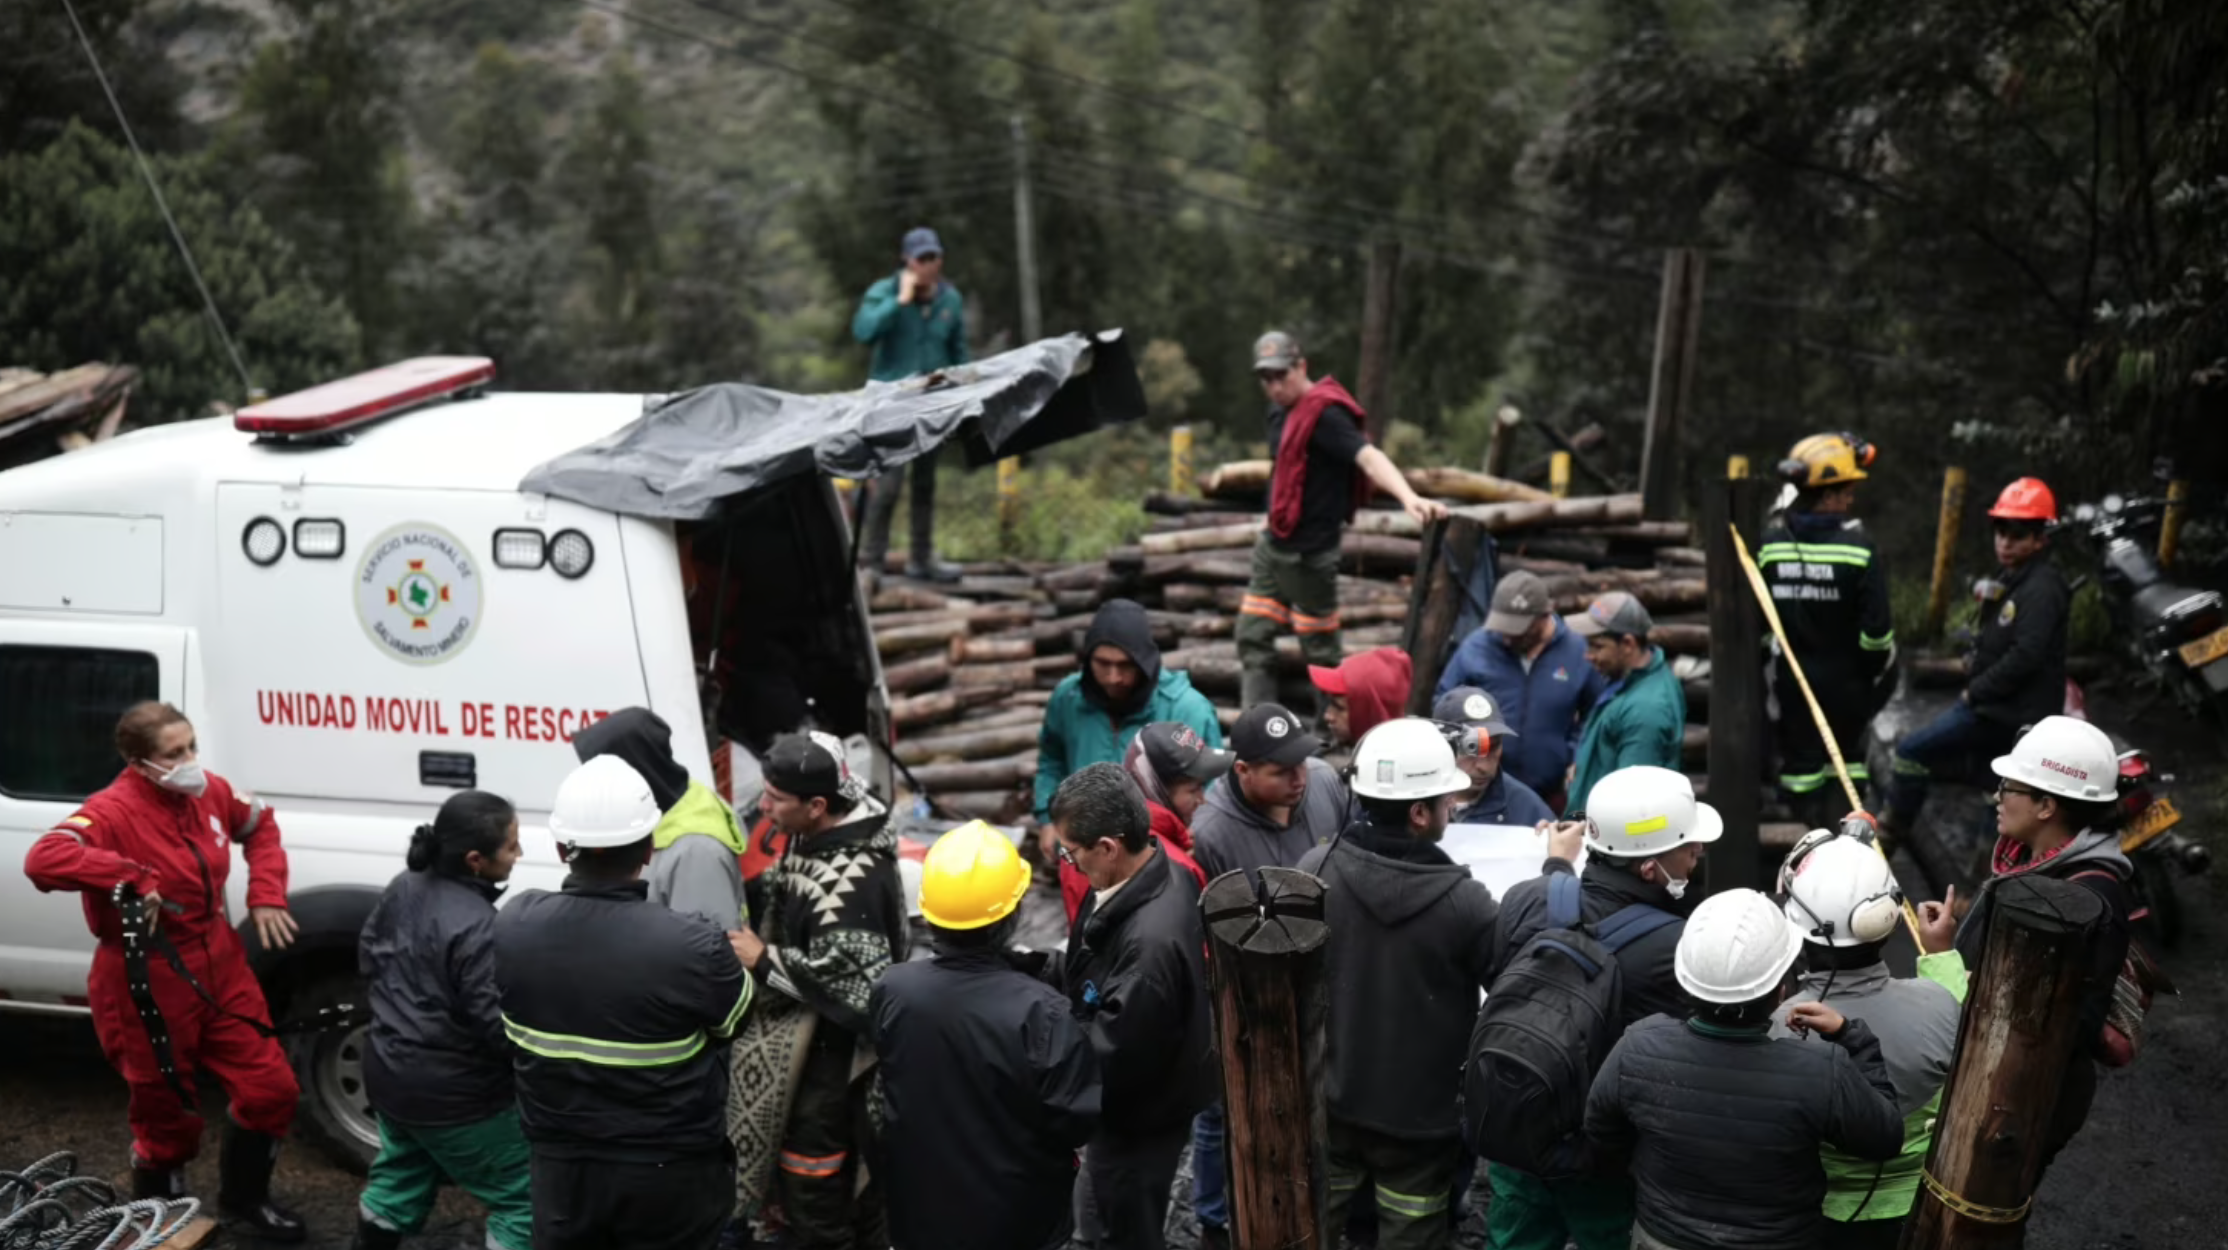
x=1546 y=1027
x=2141 y=977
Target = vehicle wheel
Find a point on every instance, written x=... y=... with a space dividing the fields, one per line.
x=2154 y=887
x=335 y=1115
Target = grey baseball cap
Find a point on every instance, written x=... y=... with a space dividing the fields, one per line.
x=1519 y=599
x=1613 y=613
x=921 y=241
x=1275 y=350
x=1468 y=705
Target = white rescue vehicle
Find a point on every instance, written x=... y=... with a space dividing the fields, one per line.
x=347 y=593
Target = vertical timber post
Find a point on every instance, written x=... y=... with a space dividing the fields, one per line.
x=1265 y=966
x=1451 y=549
x=2170 y=526
x=1945 y=547
x=1505 y=420
x=1558 y=474
x=1678 y=333
x=1737 y=747
x=1380 y=294
x=1032 y=321
x=1180 y=480
x=2017 y=1036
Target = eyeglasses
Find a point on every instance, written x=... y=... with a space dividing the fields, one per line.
x=2004 y=787
x=1067 y=856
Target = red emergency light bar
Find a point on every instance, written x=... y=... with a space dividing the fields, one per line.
x=336 y=406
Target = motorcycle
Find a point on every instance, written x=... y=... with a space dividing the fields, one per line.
x=2158 y=853
x=2178 y=634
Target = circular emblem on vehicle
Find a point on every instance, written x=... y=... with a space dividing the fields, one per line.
x=1477 y=707
x=418 y=593
x=1277 y=727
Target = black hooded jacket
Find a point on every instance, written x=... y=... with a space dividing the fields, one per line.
x=435 y=1054
x=1122 y=623
x=640 y=738
x=1411 y=949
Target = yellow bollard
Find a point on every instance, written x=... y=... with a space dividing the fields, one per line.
x=1558 y=475
x=1009 y=504
x=1736 y=468
x=2170 y=526
x=1945 y=547
x=1179 y=461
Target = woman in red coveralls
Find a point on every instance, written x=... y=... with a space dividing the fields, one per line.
x=166 y=828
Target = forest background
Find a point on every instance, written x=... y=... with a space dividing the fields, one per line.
x=1992 y=233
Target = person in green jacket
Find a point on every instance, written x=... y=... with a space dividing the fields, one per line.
x=1121 y=689
x=1641 y=717
x=916 y=324
x=696 y=863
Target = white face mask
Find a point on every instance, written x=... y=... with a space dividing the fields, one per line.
x=186 y=778
x=1675 y=887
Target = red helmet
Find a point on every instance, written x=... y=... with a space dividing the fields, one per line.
x=2028 y=499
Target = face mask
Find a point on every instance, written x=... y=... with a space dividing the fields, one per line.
x=186 y=778
x=1675 y=887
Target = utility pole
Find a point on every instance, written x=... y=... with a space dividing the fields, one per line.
x=1380 y=292
x=1032 y=322
x=1678 y=331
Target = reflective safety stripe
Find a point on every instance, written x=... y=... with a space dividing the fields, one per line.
x=1881 y=643
x=608 y=1054
x=1813 y=553
x=1305 y=624
x=1804 y=783
x=251 y=822
x=735 y=1018
x=1346 y=1183
x=812 y=1165
x=1910 y=768
x=1262 y=605
x=1410 y=1206
x=72 y=834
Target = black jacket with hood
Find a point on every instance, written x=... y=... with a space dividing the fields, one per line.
x=1650 y=983
x=977 y=1054
x=2019 y=657
x=1411 y=948
x=435 y=1054
x=1135 y=972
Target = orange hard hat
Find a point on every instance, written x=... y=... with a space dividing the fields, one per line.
x=2028 y=499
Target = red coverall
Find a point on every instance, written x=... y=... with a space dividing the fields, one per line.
x=180 y=847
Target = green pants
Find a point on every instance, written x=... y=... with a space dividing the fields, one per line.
x=1411 y=1181
x=488 y=1160
x=1293 y=590
x=1531 y=1214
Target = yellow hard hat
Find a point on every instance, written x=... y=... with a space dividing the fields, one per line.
x=972 y=877
x=1828 y=460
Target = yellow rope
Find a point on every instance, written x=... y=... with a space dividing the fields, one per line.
x=1972 y=1210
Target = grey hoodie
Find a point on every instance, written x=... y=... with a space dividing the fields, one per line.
x=1227 y=832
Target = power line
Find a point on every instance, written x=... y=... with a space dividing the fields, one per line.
x=147 y=174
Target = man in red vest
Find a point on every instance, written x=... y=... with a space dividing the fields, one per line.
x=1325 y=469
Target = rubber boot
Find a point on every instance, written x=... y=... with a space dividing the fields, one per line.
x=371 y=1236
x=244 y=1188
x=163 y=1183
x=921 y=562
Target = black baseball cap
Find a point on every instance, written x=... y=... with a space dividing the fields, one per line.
x=1469 y=705
x=1176 y=750
x=1271 y=734
x=810 y=765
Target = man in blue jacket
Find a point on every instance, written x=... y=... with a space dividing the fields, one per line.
x=1093 y=714
x=916 y=324
x=1534 y=669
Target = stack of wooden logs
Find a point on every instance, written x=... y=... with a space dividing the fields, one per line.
x=971 y=666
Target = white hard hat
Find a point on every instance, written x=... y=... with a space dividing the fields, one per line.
x=1736 y=948
x=1406 y=759
x=1841 y=892
x=603 y=803
x=1644 y=810
x=2070 y=758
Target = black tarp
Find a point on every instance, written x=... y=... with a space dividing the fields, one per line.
x=685 y=456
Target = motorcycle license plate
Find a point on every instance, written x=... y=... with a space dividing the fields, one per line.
x=2206 y=649
x=2156 y=819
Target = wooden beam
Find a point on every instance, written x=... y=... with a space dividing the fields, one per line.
x=1678 y=335
x=1737 y=743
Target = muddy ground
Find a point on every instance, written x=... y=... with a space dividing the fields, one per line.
x=2149 y=1170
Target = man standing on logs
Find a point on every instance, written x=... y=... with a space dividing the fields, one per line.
x=1640 y=717
x=1534 y=668
x=1135 y=974
x=917 y=324
x=1831 y=588
x=1411 y=947
x=1095 y=713
x=1325 y=468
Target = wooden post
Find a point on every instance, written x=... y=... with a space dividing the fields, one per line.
x=1505 y=420
x=1180 y=481
x=2170 y=526
x=1736 y=467
x=2019 y=1033
x=1379 y=338
x=1737 y=742
x=1558 y=475
x=1945 y=547
x=1265 y=967
x=1451 y=549
x=1678 y=332
x=1009 y=504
